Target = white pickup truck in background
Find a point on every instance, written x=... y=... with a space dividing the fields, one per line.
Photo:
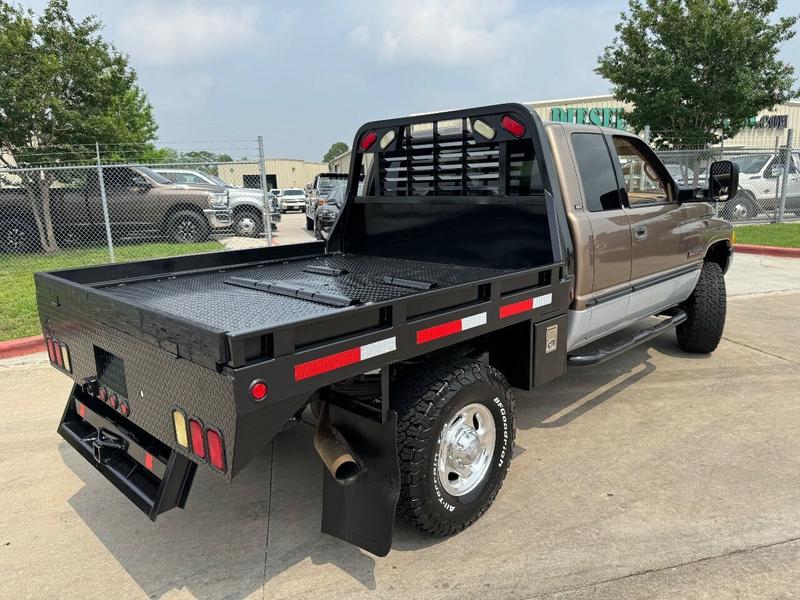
x=760 y=176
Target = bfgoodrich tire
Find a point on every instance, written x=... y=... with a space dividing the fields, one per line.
x=455 y=439
x=705 y=308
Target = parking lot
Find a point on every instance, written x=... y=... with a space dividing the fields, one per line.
x=658 y=474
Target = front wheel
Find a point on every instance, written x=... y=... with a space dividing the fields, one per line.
x=248 y=223
x=705 y=309
x=455 y=440
x=186 y=226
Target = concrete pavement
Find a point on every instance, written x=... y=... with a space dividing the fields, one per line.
x=658 y=474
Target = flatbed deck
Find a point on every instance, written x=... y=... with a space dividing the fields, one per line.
x=211 y=299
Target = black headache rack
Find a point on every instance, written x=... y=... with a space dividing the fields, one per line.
x=150 y=474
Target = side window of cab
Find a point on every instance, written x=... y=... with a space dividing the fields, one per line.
x=641 y=173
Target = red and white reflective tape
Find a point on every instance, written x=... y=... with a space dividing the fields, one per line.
x=343 y=358
x=515 y=308
x=451 y=327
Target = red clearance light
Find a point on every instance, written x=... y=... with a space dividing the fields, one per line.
x=367 y=140
x=258 y=390
x=216 y=452
x=512 y=126
x=198 y=443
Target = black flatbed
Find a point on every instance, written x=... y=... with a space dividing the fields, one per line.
x=209 y=299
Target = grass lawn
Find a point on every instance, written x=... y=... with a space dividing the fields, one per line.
x=786 y=235
x=18 y=316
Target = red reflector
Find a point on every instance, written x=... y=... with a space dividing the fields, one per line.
x=517 y=307
x=198 y=443
x=148 y=461
x=216 y=453
x=512 y=126
x=326 y=363
x=50 y=353
x=258 y=390
x=57 y=353
x=81 y=409
x=367 y=140
x=438 y=331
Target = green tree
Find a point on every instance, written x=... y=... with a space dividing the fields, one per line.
x=694 y=67
x=62 y=88
x=337 y=148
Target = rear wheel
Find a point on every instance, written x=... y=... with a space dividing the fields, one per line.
x=186 y=226
x=705 y=309
x=455 y=439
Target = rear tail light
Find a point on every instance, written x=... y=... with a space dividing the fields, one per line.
x=57 y=354
x=102 y=393
x=198 y=438
x=50 y=352
x=512 y=126
x=112 y=401
x=124 y=408
x=367 y=140
x=216 y=451
x=179 y=421
x=65 y=358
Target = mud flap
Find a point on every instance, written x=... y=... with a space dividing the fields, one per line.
x=362 y=513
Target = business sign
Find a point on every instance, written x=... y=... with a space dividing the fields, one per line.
x=605 y=117
x=769 y=122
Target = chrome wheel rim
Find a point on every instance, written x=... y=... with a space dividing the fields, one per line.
x=246 y=226
x=466 y=447
x=739 y=211
x=187 y=229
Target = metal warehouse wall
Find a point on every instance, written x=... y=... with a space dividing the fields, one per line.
x=289 y=172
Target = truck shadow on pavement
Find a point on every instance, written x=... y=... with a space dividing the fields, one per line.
x=232 y=540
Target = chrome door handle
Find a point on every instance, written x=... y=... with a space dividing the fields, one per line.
x=640 y=233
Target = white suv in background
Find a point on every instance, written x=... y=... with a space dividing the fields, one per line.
x=292 y=199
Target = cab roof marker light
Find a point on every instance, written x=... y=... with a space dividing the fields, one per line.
x=387 y=139
x=512 y=126
x=367 y=140
x=483 y=128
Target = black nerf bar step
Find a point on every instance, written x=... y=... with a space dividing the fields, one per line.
x=284 y=289
x=675 y=318
x=150 y=474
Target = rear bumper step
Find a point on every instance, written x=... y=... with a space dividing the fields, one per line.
x=150 y=474
x=675 y=318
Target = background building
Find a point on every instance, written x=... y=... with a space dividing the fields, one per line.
x=280 y=172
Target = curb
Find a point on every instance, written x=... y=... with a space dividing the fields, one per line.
x=767 y=250
x=22 y=346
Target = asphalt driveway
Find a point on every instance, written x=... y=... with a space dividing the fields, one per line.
x=658 y=474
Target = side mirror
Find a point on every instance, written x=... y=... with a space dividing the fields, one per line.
x=140 y=182
x=775 y=172
x=723 y=181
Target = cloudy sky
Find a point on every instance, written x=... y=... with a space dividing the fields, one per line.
x=304 y=74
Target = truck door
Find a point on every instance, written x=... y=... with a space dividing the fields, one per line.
x=666 y=234
x=610 y=242
x=126 y=199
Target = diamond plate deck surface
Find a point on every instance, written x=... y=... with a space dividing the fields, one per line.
x=206 y=298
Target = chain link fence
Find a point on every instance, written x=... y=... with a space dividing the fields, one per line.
x=769 y=174
x=77 y=206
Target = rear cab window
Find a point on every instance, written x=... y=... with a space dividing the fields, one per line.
x=596 y=172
